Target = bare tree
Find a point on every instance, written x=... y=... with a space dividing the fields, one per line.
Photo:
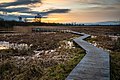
x=25 y=19
x=20 y=18
x=38 y=18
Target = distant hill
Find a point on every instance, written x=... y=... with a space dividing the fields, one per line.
x=104 y=23
x=109 y=23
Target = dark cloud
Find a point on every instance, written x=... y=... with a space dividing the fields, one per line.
x=14 y=9
x=58 y=11
x=28 y=10
x=117 y=1
x=109 y=8
x=103 y=8
x=20 y=2
x=3 y=7
x=32 y=14
x=48 y=12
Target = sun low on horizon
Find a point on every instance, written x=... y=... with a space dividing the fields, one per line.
x=61 y=11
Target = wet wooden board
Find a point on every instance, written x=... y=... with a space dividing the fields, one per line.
x=95 y=64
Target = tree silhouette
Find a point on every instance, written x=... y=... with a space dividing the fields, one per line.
x=20 y=18
x=38 y=18
x=25 y=19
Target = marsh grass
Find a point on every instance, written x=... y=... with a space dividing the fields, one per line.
x=19 y=64
x=61 y=71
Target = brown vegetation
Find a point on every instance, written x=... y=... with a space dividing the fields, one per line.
x=55 y=60
x=64 y=59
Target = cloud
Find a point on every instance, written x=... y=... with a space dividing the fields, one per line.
x=96 y=2
x=47 y=12
x=31 y=14
x=56 y=11
x=51 y=11
x=117 y=1
x=102 y=8
x=99 y=2
x=24 y=8
x=20 y=2
x=14 y=9
x=5 y=8
x=59 y=11
x=100 y=5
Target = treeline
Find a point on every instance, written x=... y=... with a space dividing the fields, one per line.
x=15 y=23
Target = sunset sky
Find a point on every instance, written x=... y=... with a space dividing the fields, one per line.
x=80 y=11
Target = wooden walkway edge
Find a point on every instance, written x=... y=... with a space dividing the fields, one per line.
x=94 y=66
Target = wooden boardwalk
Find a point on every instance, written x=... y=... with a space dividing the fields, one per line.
x=95 y=64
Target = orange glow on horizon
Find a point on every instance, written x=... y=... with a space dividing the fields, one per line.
x=62 y=11
x=81 y=17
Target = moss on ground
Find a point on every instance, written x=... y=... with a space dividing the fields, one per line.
x=61 y=71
